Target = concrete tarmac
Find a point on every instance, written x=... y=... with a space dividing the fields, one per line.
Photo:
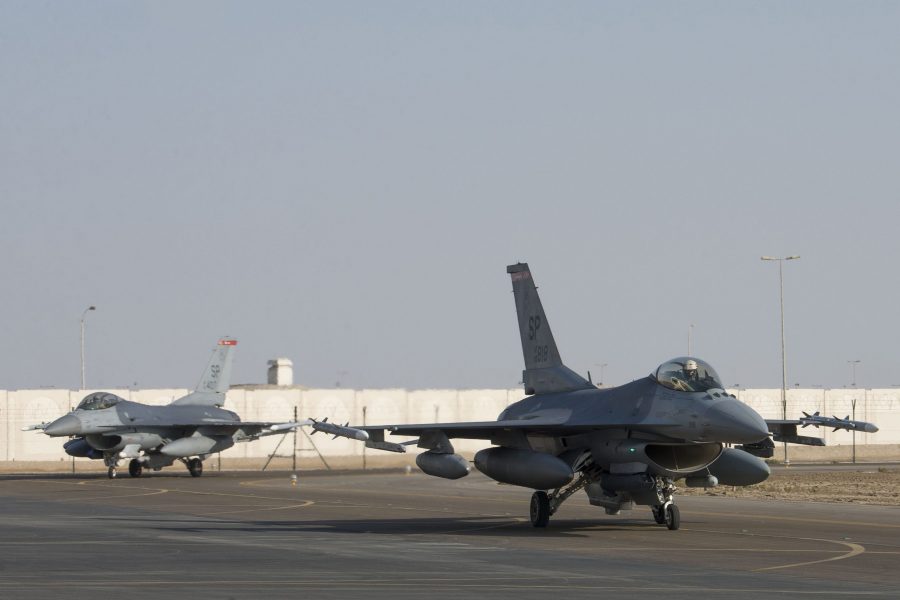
x=390 y=535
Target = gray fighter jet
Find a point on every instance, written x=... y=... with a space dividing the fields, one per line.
x=624 y=446
x=105 y=426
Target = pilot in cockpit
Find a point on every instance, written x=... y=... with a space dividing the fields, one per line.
x=690 y=370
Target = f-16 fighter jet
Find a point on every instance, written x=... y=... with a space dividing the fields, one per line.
x=189 y=429
x=623 y=446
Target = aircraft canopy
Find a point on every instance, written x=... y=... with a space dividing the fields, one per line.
x=98 y=400
x=688 y=374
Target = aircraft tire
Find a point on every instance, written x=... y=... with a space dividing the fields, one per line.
x=673 y=517
x=135 y=468
x=111 y=472
x=659 y=514
x=195 y=466
x=540 y=509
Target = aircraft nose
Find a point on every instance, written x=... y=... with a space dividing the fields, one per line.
x=733 y=422
x=67 y=425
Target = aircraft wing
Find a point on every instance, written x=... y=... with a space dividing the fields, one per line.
x=253 y=431
x=476 y=430
x=434 y=434
x=785 y=430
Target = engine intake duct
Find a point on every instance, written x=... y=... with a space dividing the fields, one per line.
x=663 y=458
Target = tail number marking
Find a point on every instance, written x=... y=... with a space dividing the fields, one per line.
x=534 y=323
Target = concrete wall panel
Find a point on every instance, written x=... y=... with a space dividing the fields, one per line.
x=27 y=407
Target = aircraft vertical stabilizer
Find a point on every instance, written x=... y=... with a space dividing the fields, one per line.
x=544 y=370
x=214 y=382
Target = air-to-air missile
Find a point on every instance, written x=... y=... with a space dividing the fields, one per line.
x=338 y=430
x=817 y=420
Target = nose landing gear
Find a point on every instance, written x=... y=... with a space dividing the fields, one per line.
x=666 y=512
x=112 y=462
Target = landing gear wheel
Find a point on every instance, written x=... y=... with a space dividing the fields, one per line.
x=195 y=466
x=673 y=517
x=540 y=509
x=659 y=514
x=111 y=472
x=135 y=468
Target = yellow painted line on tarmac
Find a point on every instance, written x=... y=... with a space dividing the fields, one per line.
x=253 y=510
x=155 y=491
x=116 y=497
x=855 y=550
x=147 y=492
x=375 y=492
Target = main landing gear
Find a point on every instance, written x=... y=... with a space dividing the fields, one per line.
x=195 y=466
x=540 y=509
x=135 y=468
x=544 y=505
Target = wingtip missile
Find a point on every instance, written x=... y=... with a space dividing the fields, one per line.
x=339 y=430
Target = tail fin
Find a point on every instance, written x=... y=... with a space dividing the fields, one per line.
x=214 y=382
x=544 y=370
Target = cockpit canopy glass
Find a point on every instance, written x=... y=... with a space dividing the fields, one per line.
x=688 y=374
x=98 y=401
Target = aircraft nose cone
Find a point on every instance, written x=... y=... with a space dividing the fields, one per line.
x=733 y=422
x=67 y=425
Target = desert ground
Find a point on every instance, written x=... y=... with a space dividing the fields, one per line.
x=862 y=484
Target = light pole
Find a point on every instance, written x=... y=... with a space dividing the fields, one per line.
x=853 y=364
x=691 y=339
x=783 y=359
x=602 y=367
x=83 y=315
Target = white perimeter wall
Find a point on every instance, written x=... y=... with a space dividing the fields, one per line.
x=19 y=408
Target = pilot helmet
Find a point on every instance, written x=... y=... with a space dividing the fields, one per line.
x=690 y=365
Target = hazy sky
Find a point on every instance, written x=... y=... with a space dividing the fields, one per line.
x=344 y=183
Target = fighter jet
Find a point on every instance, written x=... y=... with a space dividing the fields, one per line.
x=623 y=446
x=105 y=426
